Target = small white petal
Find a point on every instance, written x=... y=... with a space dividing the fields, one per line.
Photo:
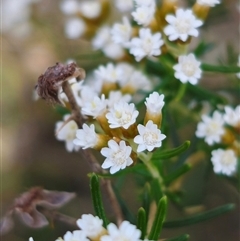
x=182 y=25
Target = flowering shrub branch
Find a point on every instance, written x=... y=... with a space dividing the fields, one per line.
x=132 y=112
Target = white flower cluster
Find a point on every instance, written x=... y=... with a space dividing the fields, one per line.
x=112 y=41
x=75 y=27
x=222 y=128
x=91 y=228
x=113 y=128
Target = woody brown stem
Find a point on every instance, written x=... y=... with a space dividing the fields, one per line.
x=76 y=114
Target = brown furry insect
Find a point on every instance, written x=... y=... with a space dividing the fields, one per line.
x=49 y=83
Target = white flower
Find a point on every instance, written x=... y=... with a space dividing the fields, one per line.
x=188 y=69
x=87 y=94
x=103 y=41
x=102 y=37
x=86 y=137
x=155 y=103
x=126 y=232
x=143 y=83
x=117 y=96
x=149 y=137
x=147 y=44
x=121 y=33
x=31 y=239
x=224 y=161
x=231 y=116
x=113 y=50
x=122 y=114
x=69 y=7
x=109 y=73
x=90 y=9
x=127 y=69
x=94 y=107
x=117 y=156
x=77 y=235
x=90 y=225
x=211 y=128
x=74 y=28
x=210 y=3
x=144 y=13
x=67 y=133
x=124 y=5
x=182 y=25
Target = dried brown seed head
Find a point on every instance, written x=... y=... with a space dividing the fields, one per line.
x=49 y=83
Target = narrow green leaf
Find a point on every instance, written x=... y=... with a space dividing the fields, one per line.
x=220 y=69
x=182 y=237
x=170 y=153
x=142 y=222
x=202 y=48
x=97 y=199
x=156 y=190
x=146 y=198
x=199 y=217
x=159 y=219
x=180 y=171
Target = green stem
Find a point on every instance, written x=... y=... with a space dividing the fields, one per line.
x=181 y=92
x=145 y=158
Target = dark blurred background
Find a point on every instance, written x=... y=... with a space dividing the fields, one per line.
x=33 y=39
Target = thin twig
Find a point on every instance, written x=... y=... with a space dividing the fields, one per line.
x=95 y=166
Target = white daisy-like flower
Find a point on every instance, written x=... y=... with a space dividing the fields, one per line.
x=126 y=232
x=87 y=93
x=77 y=235
x=90 y=225
x=182 y=25
x=67 y=133
x=144 y=11
x=117 y=96
x=155 y=103
x=94 y=107
x=121 y=32
x=224 y=161
x=127 y=69
x=124 y=5
x=104 y=42
x=143 y=15
x=122 y=114
x=74 y=28
x=143 y=83
x=90 y=9
x=147 y=44
x=210 y=3
x=211 y=128
x=69 y=7
x=149 y=137
x=113 y=50
x=86 y=137
x=117 y=156
x=102 y=37
x=108 y=73
x=232 y=116
x=188 y=69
